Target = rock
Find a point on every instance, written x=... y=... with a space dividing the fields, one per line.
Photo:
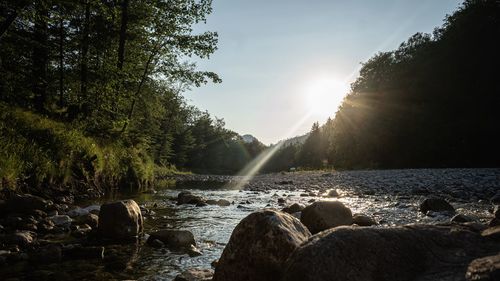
x=332 y=193
x=61 y=220
x=459 y=218
x=496 y=211
x=281 y=200
x=416 y=252
x=294 y=208
x=187 y=197
x=323 y=215
x=220 y=202
x=193 y=251
x=363 y=220
x=259 y=246
x=77 y=212
x=20 y=238
x=194 y=274
x=155 y=243
x=90 y=219
x=173 y=239
x=93 y=209
x=436 y=205
x=120 y=220
x=81 y=230
x=484 y=269
x=492 y=233
x=214 y=263
x=25 y=203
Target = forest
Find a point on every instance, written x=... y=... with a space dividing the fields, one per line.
x=91 y=92
x=432 y=102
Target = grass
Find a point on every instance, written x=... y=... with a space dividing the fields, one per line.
x=36 y=151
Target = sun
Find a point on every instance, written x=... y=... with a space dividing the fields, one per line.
x=324 y=95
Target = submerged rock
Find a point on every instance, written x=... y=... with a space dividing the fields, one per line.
x=323 y=215
x=417 y=252
x=120 y=220
x=259 y=246
x=172 y=238
x=436 y=205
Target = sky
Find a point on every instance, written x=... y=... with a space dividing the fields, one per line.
x=288 y=63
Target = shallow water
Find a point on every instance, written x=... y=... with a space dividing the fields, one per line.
x=212 y=226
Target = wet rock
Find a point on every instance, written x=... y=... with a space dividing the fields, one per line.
x=436 y=205
x=187 y=197
x=294 y=208
x=417 y=252
x=193 y=251
x=173 y=238
x=281 y=200
x=61 y=220
x=120 y=220
x=220 y=202
x=496 y=211
x=20 y=238
x=323 y=215
x=155 y=243
x=90 y=219
x=76 y=212
x=194 y=274
x=259 y=246
x=93 y=209
x=363 y=220
x=81 y=230
x=484 y=269
x=459 y=218
x=332 y=193
x=492 y=233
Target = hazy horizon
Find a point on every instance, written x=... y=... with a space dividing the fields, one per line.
x=273 y=60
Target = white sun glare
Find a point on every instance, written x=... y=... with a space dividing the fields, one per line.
x=324 y=95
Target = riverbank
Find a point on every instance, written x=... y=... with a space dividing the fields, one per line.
x=391 y=198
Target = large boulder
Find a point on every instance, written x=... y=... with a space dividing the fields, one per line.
x=436 y=205
x=259 y=246
x=120 y=220
x=417 y=252
x=173 y=238
x=323 y=215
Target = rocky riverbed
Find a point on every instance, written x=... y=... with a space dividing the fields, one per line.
x=58 y=240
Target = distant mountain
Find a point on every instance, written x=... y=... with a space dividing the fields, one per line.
x=294 y=140
x=248 y=138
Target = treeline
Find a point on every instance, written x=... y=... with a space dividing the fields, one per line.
x=433 y=102
x=112 y=71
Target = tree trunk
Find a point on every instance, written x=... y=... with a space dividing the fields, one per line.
x=61 y=58
x=123 y=34
x=40 y=57
x=84 y=55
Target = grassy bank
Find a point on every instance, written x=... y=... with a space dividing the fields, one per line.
x=37 y=152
